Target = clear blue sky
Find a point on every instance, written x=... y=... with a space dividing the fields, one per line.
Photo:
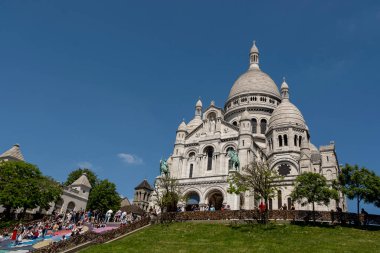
x=104 y=84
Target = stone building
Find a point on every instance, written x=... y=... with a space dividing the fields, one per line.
x=12 y=154
x=142 y=196
x=74 y=196
x=258 y=122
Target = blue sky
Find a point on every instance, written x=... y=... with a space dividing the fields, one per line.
x=105 y=84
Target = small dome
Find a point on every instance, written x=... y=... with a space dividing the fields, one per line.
x=254 y=81
x=245 y=116
x=254 y=48
x=182 y=126
x=286 y=114
x=194 y=123
x=199 y=103
x=284 y=85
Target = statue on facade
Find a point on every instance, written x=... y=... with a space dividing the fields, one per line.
x=234 y=158
x=164 y=167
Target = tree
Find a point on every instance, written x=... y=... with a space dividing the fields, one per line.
x=74 y=175
x=311 y=188
x=22 y=185
x=362 y=184
x=257 y=177
x=167 y=193
x=104 y=197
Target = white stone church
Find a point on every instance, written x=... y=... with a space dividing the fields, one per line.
x=258 y=122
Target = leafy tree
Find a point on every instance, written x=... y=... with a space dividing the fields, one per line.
x=50 y=191
x=311 y=188
x=360 y=183
x=22 y=185
x=167 y=193
x=74 y=175
x=257 y=177
x=104 y=197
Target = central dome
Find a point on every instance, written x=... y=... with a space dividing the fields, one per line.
x=254 y=81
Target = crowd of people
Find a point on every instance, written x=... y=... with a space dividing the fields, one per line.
x=42 y=228
x=72 y=222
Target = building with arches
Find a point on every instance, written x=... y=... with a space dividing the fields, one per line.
x=73 y=197
x=258 y=122
x=142 y=195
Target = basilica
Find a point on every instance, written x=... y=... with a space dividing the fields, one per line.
x=258 y=122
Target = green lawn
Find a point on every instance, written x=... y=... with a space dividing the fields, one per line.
x=204 y=238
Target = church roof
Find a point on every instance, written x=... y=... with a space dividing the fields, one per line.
x=82 y=180
x=254 y=81
x=14 y=152
x=144 y=185
x=182 y=126
x=286 y=114
x=125 y=202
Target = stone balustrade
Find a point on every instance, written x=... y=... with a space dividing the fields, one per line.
x=292 y=215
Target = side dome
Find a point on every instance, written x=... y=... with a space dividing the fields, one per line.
x=254 y=81
x=286 y=114
x=194 y=123
x=182 y=126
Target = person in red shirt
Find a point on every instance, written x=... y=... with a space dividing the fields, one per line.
x=262 y=207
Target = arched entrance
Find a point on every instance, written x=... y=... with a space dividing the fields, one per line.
x=192 y=202
x=215 y=199
x=70 y=206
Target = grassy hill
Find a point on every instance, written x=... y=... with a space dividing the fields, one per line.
x=201 y=237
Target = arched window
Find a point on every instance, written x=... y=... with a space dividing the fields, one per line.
x=191 y=170
x=254 y=126
x=209 y=152
x=290 y=203
x=271 y=142
x=299 y=141
x=270 y=204
x=192 y=155
x=285 y=140
x=295 y=140
x=279 y=199
x=263 y=126
x=280 y=140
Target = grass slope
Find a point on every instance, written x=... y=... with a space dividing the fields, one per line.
x=200 y=237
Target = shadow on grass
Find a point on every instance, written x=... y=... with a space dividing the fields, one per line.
x=257 y=227
x=337 y=225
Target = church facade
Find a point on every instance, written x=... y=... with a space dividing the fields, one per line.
x=258 y=122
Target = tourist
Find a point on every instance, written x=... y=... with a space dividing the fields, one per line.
x=262 y=207
x=108 y=215
x=364 y=212
x=292 y=208
x=284 y=207
x=212 y=208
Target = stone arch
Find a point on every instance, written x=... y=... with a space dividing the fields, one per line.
x=190 y=150
x=229 y=145
x=208 y=145
x=70 y=206
x=293 y=163
x=193 y=200
x=215 y=196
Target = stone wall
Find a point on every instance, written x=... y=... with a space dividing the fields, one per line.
x=298 y=215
